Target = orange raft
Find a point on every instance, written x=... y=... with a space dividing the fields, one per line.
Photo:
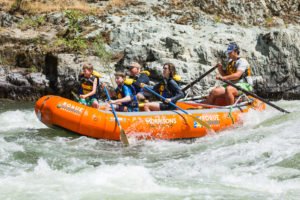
x=62 y=112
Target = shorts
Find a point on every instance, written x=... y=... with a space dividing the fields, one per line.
x=166 y=106
x=122 y=108
x=243 y=85
x=87 y=101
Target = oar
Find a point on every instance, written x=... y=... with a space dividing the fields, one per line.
x=75 y=95
x=254 y=95
x=123 y=136
x=198 y=79
x=203 y=123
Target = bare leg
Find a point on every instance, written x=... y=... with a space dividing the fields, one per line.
x=151 y=106
x=230 y=93
x=140 y=96
x=95 y=104
x=214 y=94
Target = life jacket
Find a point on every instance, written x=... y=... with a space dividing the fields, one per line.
x=163 y=89
x=86 y=84
x=131 y=80
x=120 y=93
x=231 y=69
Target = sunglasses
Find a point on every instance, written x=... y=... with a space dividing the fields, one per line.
x=165 y=68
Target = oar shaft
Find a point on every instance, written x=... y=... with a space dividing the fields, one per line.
x=123 y=136
x=171 y=103
x=164 y=99
x=198 y=79
x=255 y=96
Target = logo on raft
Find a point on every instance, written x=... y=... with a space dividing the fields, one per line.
x=161 y=121
x=210 y=119
x=70 y=108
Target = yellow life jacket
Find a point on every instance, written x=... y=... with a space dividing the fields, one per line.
x=177 y=78
x=87 y=83
x=231 y=69
x=130 y=81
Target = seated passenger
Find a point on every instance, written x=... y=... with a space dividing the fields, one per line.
x=135 y=79
x=167 y=88
x=237 y=71
x=126 y=100
x=88 y=87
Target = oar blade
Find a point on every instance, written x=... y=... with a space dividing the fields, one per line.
x=123 y=137
x=203 y=123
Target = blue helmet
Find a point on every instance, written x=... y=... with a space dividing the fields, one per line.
x=233 y=47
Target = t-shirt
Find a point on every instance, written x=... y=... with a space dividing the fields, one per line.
x=242 y=64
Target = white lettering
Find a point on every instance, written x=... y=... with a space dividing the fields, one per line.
x=71 y=108
x=161 y=121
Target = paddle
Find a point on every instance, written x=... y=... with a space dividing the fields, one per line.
x=171 y=103
x=75 y=95
x=198 y=79
x=254 y=95
x=123 y=136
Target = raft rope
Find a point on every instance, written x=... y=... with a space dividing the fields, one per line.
x=235 y=105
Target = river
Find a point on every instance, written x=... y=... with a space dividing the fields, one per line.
x=258 y=160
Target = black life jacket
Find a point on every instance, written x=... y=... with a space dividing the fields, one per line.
x=164 y=90
x=86 y=84
x=120 y=93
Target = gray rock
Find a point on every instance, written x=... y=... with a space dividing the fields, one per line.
x=17 y=79
x=38 y=80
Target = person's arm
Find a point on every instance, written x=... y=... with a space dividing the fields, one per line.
x=241 y=66
x=143 y=78
x=220 y=69
x=92 y=92
x=232 y=77
x=125 y=99
x=178 y=93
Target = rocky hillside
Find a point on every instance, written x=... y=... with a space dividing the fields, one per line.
x=44 y=43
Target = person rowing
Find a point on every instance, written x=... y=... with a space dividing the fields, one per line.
x=237 y=71
x=126 y=100
x=168 y=88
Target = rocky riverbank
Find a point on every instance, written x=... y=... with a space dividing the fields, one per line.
x=41 y=51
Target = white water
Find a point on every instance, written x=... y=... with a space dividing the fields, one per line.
x=259 y=160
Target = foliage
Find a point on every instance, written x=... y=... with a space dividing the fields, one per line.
x=217 y=19
x=33 y=22
x=269 y=21
x=75 y=17
x=73 y=39
x=75 y=44
x=16 y=6
x=32 y=69
x=100 y=50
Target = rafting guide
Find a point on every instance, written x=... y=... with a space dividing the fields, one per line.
x=237 y=70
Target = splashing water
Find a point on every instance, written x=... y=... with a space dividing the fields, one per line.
x=258 y=160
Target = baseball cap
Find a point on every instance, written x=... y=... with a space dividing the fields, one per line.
x=133 y=65
x=232 y=47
